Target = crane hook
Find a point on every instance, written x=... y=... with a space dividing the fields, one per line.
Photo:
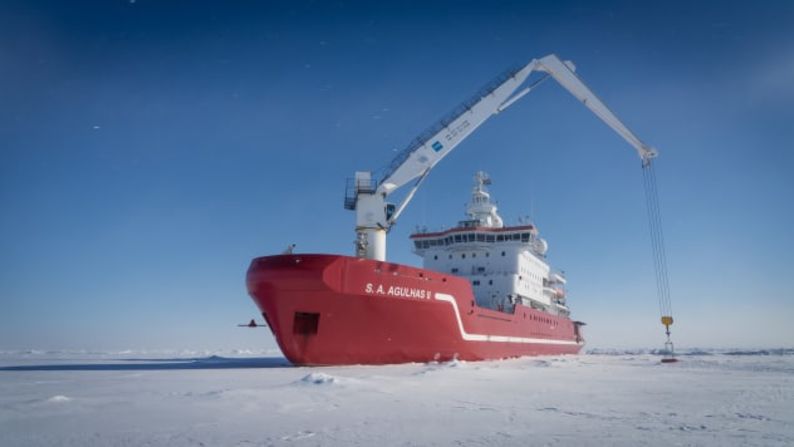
x=669 y=352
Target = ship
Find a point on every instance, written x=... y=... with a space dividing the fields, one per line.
x=485 y=291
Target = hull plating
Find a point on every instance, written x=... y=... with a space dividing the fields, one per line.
x=337 y=310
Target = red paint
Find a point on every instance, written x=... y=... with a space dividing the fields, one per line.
x=339 y=323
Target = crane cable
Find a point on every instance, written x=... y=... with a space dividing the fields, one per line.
x=659 y=254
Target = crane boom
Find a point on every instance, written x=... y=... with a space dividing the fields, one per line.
x=367 y=196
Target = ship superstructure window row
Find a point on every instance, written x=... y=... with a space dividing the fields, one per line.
x=473 y=237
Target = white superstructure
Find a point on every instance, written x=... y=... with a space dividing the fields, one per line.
x=506 y=265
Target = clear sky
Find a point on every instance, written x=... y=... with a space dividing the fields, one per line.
x=150 y=149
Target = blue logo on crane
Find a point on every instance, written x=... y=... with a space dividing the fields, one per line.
x=437 y=146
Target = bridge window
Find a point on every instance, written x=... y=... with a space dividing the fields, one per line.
x=458 y=238
x=500 y=238
x=524 y=237
x=480 y=237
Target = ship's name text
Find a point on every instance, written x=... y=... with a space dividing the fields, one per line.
x=399 y=291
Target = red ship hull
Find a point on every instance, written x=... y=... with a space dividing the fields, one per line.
x=341 y=310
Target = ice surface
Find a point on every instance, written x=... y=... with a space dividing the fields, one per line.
x=254 y=398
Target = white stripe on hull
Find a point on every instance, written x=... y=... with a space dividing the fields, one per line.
x=496 y=338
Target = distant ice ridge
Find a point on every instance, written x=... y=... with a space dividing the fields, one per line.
x=694 y=351
x=148 y=353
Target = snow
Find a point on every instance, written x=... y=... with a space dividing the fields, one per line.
x=255 y=398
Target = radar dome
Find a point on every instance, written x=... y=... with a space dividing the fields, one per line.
x=540 y=246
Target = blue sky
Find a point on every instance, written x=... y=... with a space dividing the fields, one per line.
x=151 y=149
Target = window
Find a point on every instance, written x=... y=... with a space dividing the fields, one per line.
x=450 y=256
x=503 y=253
x=418 y=244
x=480 y=237
x=454 y=270
x=474 y=255
x=458 y=238
x=490 y=282
x=476 y=283
x=470 y=237
x=463 y=255
x=435 y=257
x=500 y=238
x=487 y=254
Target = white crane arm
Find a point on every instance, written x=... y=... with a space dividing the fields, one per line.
x=433 y=145
x=438 y=141
x=564 y=74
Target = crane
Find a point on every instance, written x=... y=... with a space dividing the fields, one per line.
x=375 y=216
x=367 y=196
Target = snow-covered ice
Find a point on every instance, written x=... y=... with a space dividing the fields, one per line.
x=251 y=398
